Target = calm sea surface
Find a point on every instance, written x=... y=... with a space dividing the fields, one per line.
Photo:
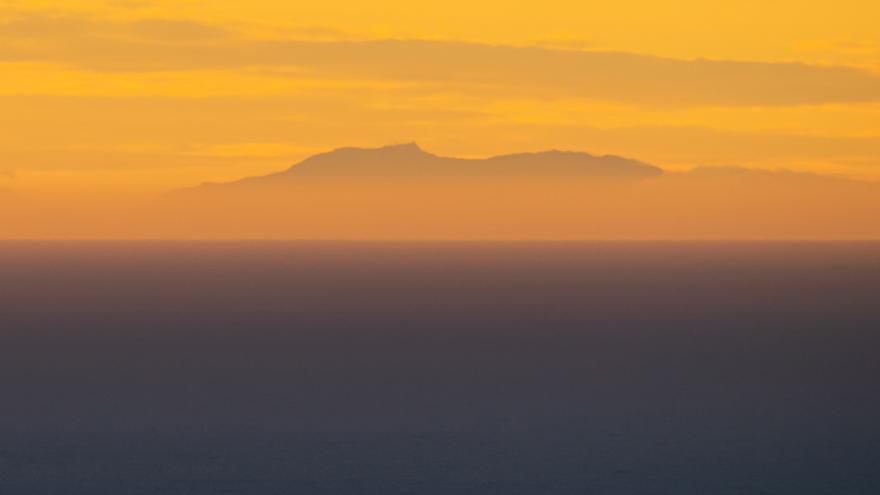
x=439 y=368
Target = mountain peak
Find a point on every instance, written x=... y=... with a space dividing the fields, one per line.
x=410 y=148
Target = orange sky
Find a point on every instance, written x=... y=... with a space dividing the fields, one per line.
x=130 y=98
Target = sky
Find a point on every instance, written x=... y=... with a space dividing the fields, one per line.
x=122 y=99
x=138 y=96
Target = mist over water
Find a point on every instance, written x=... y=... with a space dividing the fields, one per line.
x=439 y=368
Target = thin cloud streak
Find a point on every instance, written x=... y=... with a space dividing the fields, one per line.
x=103 y=133
x=163 y=45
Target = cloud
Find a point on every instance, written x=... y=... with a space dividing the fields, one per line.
x=162 y=45
x=46 y=34
x=130 y=4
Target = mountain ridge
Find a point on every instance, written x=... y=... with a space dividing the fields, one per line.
x=408 y=162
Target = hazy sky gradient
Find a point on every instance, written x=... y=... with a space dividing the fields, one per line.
x=142 y=96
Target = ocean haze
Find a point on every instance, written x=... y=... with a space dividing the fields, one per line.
x=403 y=192
x=319 y=367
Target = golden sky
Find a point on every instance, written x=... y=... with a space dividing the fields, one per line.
x=140 y=96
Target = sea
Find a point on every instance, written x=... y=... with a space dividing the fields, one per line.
x=251 y=367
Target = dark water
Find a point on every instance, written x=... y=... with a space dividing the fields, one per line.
x=313 y=368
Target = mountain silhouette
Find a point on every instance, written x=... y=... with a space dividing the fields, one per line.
x=403 y=192
x=408 y=162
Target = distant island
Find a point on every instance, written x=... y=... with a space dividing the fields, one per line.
x=404 y=192
x=408 y=162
